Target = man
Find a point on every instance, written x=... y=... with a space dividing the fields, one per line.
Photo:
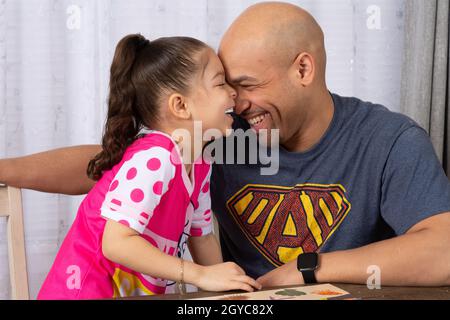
x=358 y=186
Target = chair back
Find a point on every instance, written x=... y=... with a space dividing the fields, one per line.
x=11 y=209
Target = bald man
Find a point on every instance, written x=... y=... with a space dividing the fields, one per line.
x=359 y=188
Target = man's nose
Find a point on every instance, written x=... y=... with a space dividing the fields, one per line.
x=241 y=105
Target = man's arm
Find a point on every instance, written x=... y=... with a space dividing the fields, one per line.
x=56 y=171
x=421 y=257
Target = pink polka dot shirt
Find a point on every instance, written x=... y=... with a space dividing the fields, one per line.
x=148 y=191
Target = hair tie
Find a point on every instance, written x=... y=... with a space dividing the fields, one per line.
x=143 y=42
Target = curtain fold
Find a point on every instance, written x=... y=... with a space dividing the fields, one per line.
x=425 y=72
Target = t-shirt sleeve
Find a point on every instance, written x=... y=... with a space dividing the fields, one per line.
x=202 y=217
x=137 y=188
x=414 y=185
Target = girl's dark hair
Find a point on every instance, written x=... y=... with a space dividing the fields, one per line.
x=140 y=72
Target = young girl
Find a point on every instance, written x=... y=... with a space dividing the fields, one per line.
x=131 y=230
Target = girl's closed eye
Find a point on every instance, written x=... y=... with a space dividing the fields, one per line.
x=221 y=83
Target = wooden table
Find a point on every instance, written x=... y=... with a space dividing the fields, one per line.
x=357 y=291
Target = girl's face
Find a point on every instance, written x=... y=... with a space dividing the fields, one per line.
x=211 y=98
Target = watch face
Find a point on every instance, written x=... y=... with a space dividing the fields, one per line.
x=307 y=261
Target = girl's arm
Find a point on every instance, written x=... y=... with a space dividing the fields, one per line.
x=56 y=171
x=205 y=250
x=125 y=246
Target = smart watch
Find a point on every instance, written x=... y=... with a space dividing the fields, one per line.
x=307 y=264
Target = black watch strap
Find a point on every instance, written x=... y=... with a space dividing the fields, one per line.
x=309 y=276
x=307 y=264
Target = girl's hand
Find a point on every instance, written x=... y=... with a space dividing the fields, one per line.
x=225 y=277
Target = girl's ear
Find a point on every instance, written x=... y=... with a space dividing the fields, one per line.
x=178 y=106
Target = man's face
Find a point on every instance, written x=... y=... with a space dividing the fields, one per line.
x=266 y=97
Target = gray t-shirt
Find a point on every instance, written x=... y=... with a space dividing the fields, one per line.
x=373 y=176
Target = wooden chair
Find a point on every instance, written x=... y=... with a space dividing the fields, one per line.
x=11 y=208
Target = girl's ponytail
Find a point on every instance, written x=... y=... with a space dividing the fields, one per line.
x=122 y=124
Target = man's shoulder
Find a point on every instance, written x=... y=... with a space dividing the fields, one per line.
x=371 y=119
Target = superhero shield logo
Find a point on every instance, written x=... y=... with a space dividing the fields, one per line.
x=285 y=222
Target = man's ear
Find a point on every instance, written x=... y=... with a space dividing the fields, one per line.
x=304 y=68
x=178 y=107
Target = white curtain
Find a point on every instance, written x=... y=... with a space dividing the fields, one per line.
x=54 y=62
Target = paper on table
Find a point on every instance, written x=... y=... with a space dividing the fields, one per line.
x=316 y=292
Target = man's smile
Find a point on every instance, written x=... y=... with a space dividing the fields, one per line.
x=257 y=120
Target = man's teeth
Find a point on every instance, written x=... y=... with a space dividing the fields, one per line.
x=257 y=120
